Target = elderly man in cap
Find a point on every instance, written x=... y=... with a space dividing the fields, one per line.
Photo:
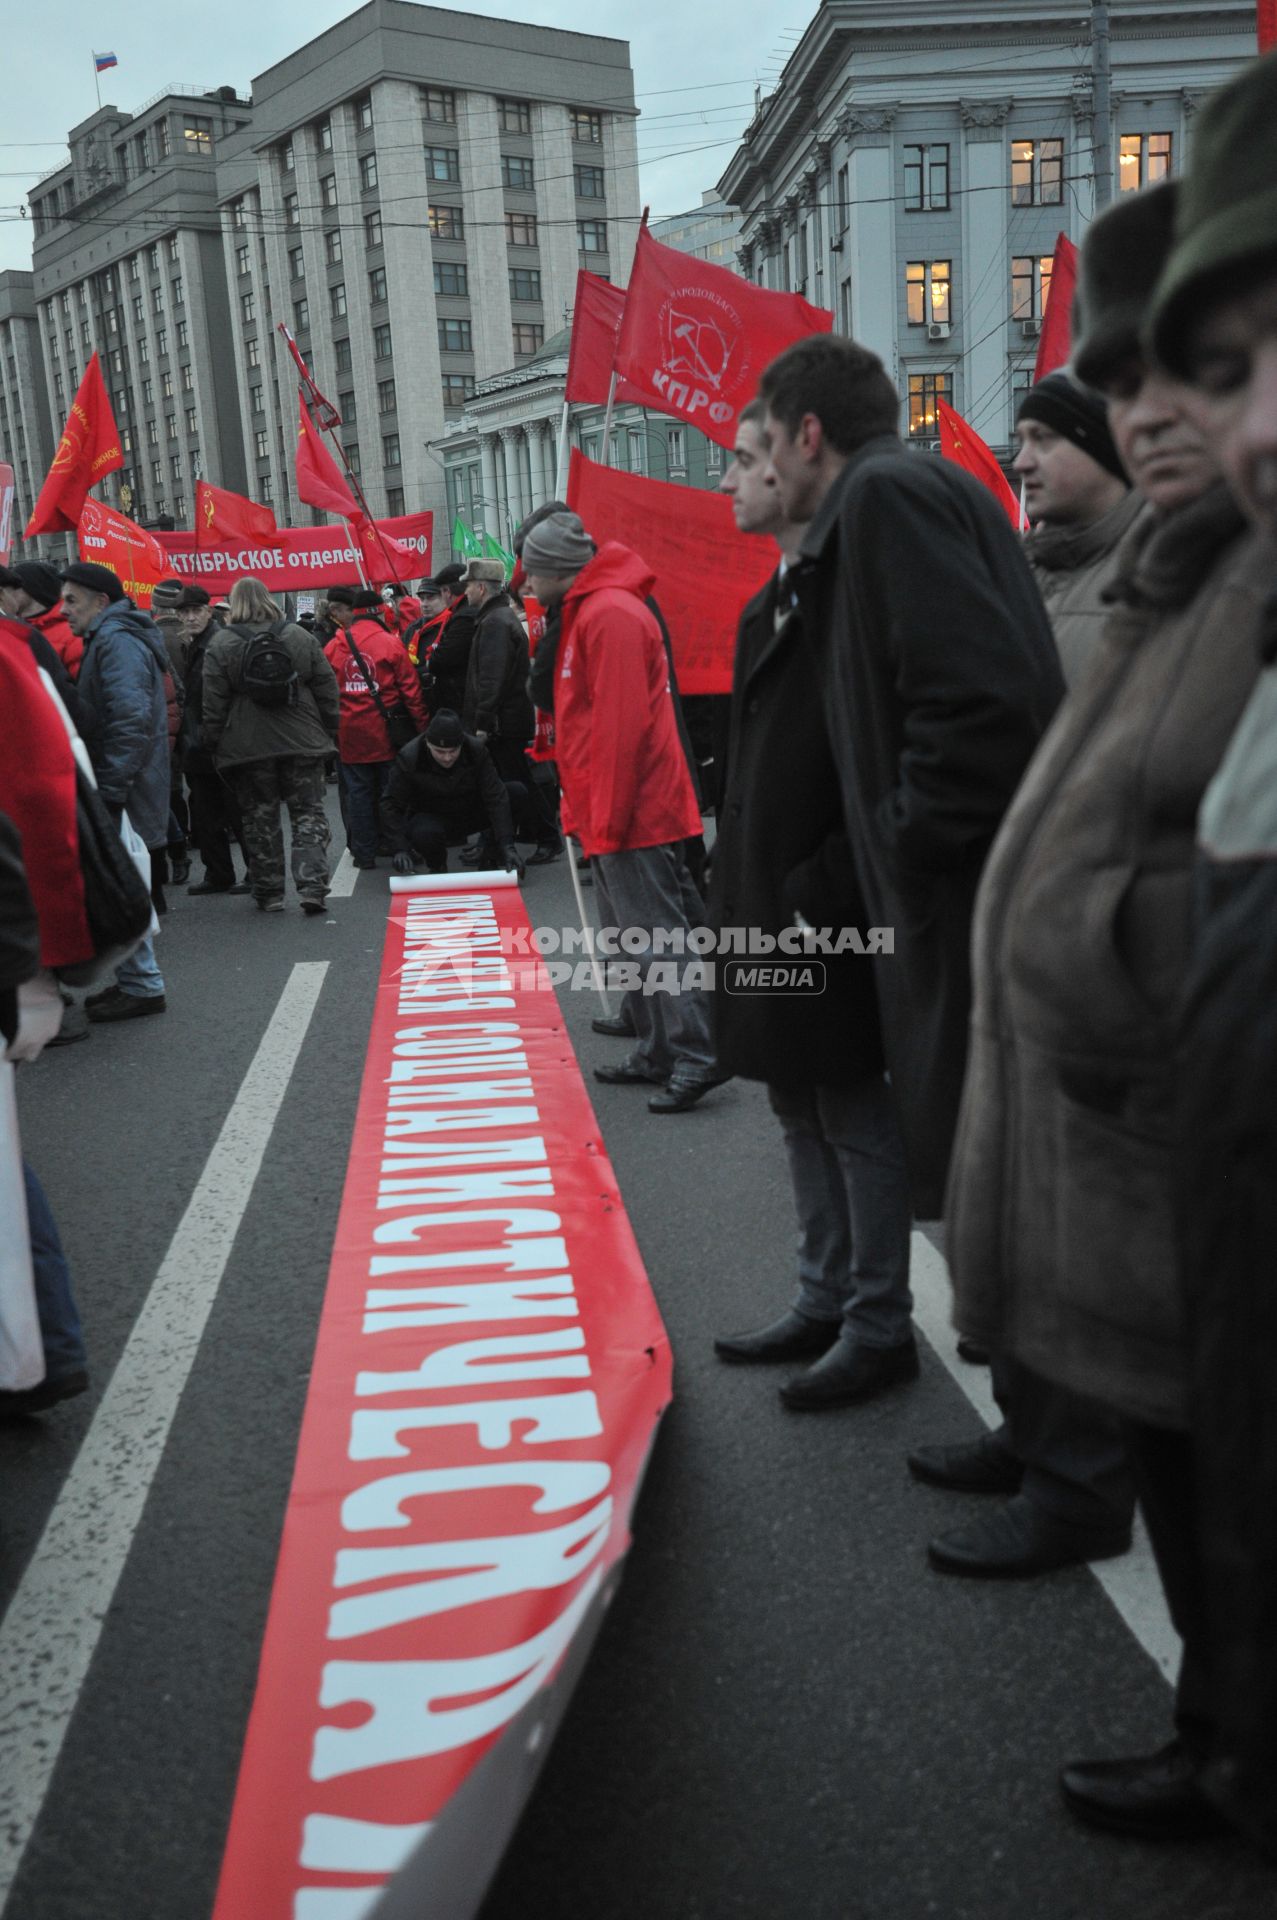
x=627 y=794
x=1080 y=504
x=442 y=788
x=497 y=707
x=1214 y=324
x=124 y=724
x=32 y=591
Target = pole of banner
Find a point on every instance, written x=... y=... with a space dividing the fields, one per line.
x=607 y=420
x=587 y=931
x=351 y=475
x=1024 y=516
x=97 y=83
x=561 y=472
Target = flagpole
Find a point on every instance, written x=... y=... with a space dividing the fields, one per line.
x=607 y=421
x=351 y=475
x=587 y=931
x=97 y=83
x=1024 y=515
x=561 y=471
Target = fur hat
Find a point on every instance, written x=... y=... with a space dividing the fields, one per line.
x=1118 y=267
x=1226 y=212
x=490 y=572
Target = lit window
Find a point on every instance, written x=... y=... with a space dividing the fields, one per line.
x=1030 y=285
x=926 y=390
x=927 y=291
x=445 y=223
x=1037 y=173
x=1143 y=158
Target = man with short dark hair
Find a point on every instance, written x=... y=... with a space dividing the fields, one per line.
x=124 y=725
x=32 y=591
x=442 y=788
x=498 y=708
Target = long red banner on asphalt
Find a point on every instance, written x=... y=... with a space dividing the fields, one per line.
x=292 y=557
x=490 y=1370
x=705 y=570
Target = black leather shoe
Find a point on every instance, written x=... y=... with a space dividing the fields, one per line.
x=38 y=1399
x=619 y=1028
x=792 y=1337
x=179 y=869
x=545 y=851
x=1019 y=1541
x=850 y=1372
x=979 y=1466
x=1152 y=1796
x=127 y=1006
x=211 y=886
x=680 y=1096
x=629 y=1073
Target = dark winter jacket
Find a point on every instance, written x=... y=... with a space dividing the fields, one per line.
x=940 y=675
x=19 y=929
x=238 y=731
x=124 y=718
x=193 y=709
x=1075 y=568
x=782 y=848
x=443 y=659
x=465 y=792
x=496 y=699
x=1061 y=1229
x=1227 y=1193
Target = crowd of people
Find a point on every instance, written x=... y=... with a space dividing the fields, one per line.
x=1047 y=764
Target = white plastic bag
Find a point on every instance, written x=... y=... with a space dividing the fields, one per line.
x=21 y=1349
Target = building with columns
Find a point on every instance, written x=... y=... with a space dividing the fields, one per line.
x=413 y=198
x=913 y=167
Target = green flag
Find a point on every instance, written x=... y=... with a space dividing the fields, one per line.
x=493 y=550
x=465 y=540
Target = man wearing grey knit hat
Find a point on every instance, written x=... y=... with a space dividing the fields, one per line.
x=627 y=794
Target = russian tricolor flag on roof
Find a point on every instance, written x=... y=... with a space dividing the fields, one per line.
x=102 y=61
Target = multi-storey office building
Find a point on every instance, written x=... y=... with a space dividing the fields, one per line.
x=413 y=199
x=708 y=232
x=913 y=167
x=128 y=260
x=26 y=438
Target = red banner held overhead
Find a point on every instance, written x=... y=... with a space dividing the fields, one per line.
x=1267 y=25
x=963 y=445
x=88 y=450
x=294 y=557
x=597 y=312
x=1056 y=343
x=489 y=1374
x=705 y=569
x=221 y=515
x=696 y=338
x=112 y=540
x=320 y=481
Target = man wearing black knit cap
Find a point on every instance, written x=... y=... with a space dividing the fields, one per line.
x=1079 y=503
x=443 y=787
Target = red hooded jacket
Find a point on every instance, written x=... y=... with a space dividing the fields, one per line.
x=622 y=769
x=37 y=791
x=68 y=646
x=362 y=737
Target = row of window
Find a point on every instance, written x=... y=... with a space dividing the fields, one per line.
x=439 y=104
x=929 y=289
x=1037 y=173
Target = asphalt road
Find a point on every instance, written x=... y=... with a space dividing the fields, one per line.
x=786 y=1712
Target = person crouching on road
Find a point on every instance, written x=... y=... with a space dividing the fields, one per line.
x=627 y=794
x=374 y=679
x=442 y=788
x=270 y=716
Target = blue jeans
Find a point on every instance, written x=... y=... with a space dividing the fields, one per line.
x=847 y=1166
x=365 y=785
x=139 y=974
x=55 y=1303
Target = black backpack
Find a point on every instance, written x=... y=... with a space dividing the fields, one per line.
x=267 y=675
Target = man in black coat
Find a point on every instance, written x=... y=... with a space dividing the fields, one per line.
x=215 y=817
x=443 y=787
x=781 y=859
x=498 y=706
x=939 y=675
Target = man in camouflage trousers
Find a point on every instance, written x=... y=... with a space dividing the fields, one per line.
x=301 y=785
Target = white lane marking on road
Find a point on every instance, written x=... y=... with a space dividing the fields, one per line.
x=345 y=874
x=55 y=1618
x=1131 y=1582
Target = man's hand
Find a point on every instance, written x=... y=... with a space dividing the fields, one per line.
x=513 y=864
x=403 y=863
x=39 y=1017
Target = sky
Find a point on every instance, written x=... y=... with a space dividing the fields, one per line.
x=696 y=67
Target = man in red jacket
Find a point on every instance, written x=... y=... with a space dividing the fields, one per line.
x=374 y=677
x=32 y=591
x=627 y=794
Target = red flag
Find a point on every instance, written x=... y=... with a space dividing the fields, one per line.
x=88 y=449
x=384 y=557
x=319 y=478
x=963 y=445
x=695 y=338
x=705 y=569
x=1267 y=24
x=1056 y=342
x=326 y=414
x=223 y=515
x=597 y=312
x=112 y=540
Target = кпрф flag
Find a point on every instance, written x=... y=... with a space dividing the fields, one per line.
x=695 y=338
x=89 y=449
